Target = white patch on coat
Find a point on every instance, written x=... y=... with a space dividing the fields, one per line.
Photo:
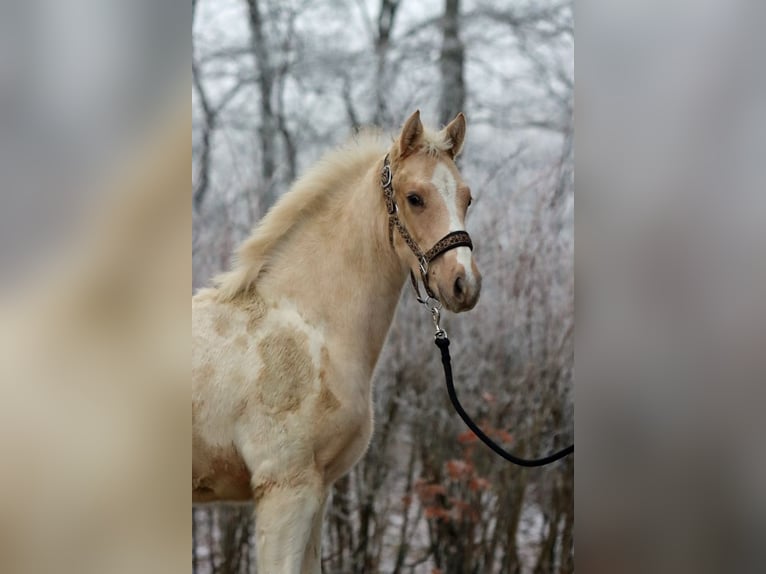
x=216 y=424
x=445 y=183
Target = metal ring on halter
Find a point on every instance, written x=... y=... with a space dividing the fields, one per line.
x=387 y=176
x=423 y=263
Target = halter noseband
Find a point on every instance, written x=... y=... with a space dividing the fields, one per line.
x=452 y=240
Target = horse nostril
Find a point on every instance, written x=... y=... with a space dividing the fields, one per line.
x=459 y=288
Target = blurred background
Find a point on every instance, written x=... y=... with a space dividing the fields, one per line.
x=278 y=83
x=94 y=347
x=82 y=84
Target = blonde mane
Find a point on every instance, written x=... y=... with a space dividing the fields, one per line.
x=435 y=143
x=305 y=197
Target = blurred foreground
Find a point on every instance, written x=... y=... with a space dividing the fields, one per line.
x=94 y=375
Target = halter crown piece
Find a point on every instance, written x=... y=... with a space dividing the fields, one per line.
x=452 y=240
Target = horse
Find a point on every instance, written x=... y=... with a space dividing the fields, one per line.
x=285 y=343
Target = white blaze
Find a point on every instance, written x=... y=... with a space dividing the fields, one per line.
x=445 y=183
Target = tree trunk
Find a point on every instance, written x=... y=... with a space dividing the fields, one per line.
x=268 y=127
x=386 y=17
x=290 y=151
x=451 y=64
x=195 y=559
x=566 y=562
x=209 y=117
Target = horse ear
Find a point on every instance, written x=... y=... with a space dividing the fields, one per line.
x=412 y=133
x=455 y=132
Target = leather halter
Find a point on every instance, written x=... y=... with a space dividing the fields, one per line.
x=452 y=240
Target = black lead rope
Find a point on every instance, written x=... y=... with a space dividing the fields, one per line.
x=443 y=343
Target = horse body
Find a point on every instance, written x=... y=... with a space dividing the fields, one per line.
x=285 y=345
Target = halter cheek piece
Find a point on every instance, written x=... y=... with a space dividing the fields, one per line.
x=452 y=240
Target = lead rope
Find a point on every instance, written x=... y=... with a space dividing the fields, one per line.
x=442 y=341
x=443 y=345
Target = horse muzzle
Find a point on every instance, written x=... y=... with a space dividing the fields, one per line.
x=458 y=288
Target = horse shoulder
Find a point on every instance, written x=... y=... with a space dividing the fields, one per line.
x=343 y=423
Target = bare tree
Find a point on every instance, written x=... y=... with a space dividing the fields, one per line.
x=264 y=72
x=451 y=64
x=211 y=112
x=386 y=19
x=208 y=126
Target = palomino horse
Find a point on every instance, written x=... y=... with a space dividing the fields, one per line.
x=285 y=344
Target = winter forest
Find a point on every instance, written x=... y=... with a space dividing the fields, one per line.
x=276 y=83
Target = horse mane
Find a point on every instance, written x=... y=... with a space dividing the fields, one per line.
x=435 y=143
x=305 y=197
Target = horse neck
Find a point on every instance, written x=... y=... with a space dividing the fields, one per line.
x=341 y=271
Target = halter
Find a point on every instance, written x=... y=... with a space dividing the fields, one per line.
x=452 y=240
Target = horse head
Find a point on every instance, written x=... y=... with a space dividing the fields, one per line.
x=430 y=200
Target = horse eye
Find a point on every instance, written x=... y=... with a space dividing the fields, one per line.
x=415 y=200
x=470 y=201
